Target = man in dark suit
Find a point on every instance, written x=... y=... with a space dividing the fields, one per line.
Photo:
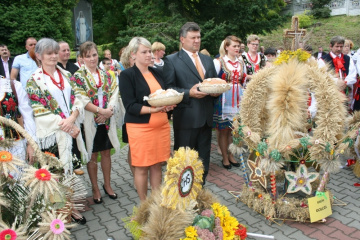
x=320 y=53
x=6 y=61
x=194 y=115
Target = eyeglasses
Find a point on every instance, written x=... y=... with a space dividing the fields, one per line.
x=254 y=44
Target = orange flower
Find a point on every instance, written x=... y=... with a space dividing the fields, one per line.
x=43 y=175
x=5 y=156
x=50 y=154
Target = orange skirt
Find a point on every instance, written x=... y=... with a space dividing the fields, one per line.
x=149 y=142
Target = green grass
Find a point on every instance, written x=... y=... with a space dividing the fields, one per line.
x=346 y=26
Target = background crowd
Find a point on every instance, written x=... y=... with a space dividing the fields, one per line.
x=73 y=110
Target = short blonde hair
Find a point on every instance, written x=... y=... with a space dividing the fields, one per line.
x=205 y=52
x=348 y=41
x=221 y=49
x=252 y=38
x=125 y=57
x=157 y=46
x=136 y=42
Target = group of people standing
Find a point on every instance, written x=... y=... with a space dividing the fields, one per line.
x=70 y=108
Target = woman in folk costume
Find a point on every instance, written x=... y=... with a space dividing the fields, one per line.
x=57 y=108
x=14 y=104
x=99 y=94
x=231 y=69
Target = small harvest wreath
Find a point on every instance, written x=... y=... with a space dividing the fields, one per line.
x=182 y=209
x=273 y=123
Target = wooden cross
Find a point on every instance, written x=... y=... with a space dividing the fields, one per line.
x=295 y=33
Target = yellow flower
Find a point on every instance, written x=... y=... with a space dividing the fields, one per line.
x=332 y=152
x=257 y=153
x=285 y=56
x=191 y=233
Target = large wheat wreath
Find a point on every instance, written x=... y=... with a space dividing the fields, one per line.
x=273 y=122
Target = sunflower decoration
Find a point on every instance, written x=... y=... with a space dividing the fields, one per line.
x=286 y=56
x=9 y=163
x=41 y=181
x=183 y=179
x=54 y=226
x=12 y=233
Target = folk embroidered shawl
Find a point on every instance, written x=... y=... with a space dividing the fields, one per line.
x=89 y=93
x=48 y=115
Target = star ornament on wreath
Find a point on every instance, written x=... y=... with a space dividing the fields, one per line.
x=257 y=174
x=301 y=180
x=183 y=179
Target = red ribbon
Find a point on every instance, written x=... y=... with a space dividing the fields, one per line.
x=236 y=77
x=350 y=162
x=339 y=65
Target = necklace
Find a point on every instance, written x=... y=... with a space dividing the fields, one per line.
x=60 y=84
x=251 y=60
x=234 y=64
x=100 y=83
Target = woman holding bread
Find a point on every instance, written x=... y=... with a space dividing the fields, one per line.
x=232 y=70
x=148 y=127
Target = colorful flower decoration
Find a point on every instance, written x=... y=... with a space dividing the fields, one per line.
x=54 y=226
x=228 y=223
x=241 y=232
x=191 y=233
x=41 y=181
x=57 y=226
x=301 y=180
x=7 y=233
x=9 y=163
x=43 y=175
x=183 y=179
x=5 y=156
x=257 y=174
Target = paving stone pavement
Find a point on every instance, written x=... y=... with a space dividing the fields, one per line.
x=105 y=220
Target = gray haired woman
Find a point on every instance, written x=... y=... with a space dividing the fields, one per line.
x=56 y=107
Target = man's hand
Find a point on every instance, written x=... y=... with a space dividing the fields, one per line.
x=341 y=84
x=194 y=93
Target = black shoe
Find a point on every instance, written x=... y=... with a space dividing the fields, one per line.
x=235 y=164
x=81 y=220
x=98 y=201
x=113 y=196
x=227 y=166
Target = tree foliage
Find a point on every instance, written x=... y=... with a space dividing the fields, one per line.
x=320 y=9
x=20 y=19
x=217 y=19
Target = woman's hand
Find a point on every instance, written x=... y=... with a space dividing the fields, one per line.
x=107 y=113
x=67 y=124
x=169 y=108
x=74 y=132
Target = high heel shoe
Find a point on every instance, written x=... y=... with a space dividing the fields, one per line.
x=226 y=166
x=81 y=220
x=98 y=200
x=113 y=196
x=235 y=164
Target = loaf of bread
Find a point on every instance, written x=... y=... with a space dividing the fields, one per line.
x=213 y=81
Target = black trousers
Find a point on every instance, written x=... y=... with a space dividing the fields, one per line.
x=198 y=139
